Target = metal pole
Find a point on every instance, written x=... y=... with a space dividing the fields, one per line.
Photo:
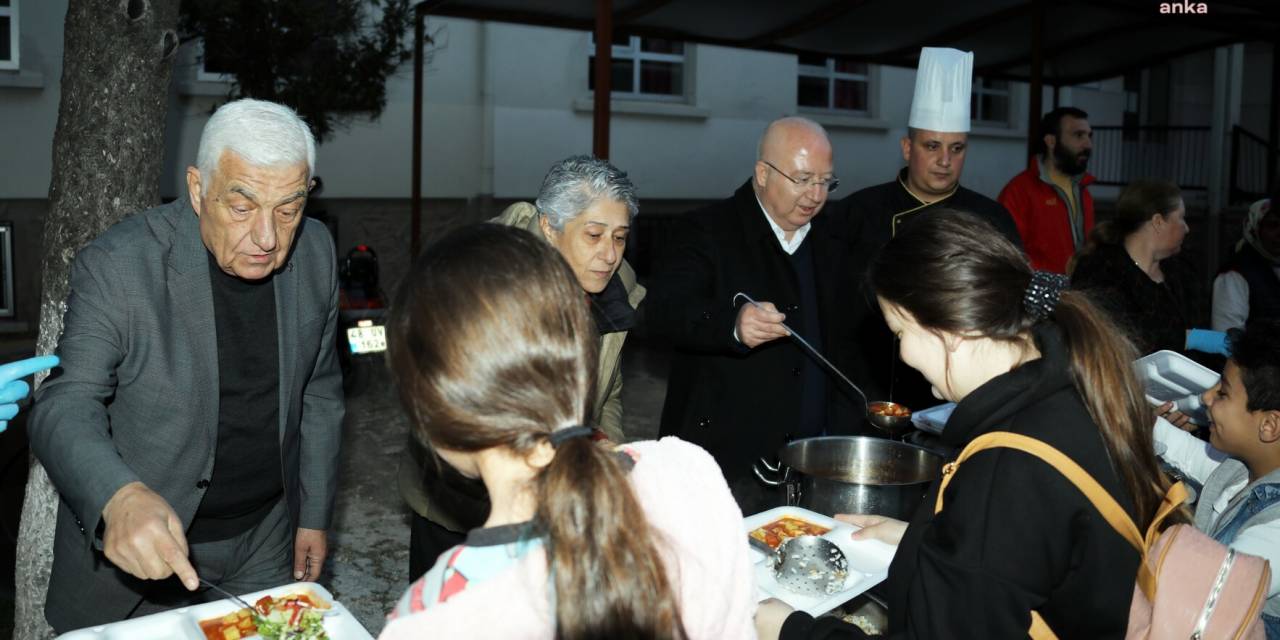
x=1273 y=133
x=415 y=191
x=603 y=79
x=1034 y=105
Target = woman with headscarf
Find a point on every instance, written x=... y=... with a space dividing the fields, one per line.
x=1248 y=286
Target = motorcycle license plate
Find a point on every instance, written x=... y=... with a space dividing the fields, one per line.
x=372 y=339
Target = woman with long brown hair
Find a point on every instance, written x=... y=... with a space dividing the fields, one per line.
x=1017 y=354
x=492 y=348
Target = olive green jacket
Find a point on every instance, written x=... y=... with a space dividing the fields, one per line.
x=608 y=405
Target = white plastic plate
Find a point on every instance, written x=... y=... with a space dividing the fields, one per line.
x=933 y=419
x=868 y=562
x=184 y=623
x=1170 y=376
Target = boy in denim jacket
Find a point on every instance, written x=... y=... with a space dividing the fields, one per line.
x=1239 y=467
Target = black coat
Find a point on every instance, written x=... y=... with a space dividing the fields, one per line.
x=874 y=216
x=1014 y=534
x=1153 y=314
x=1264 y=285
x=739 y=403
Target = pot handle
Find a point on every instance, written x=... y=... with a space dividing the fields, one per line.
x=772 y=469
x=775 y=467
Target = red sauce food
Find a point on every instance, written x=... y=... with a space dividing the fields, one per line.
x=786 y=528
x=239 y=624
x=889 y=409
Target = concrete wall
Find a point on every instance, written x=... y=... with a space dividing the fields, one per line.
x=505 y=101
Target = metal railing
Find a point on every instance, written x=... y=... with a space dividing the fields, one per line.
x=1124 y=154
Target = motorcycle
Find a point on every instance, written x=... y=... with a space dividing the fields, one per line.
x=362 y=310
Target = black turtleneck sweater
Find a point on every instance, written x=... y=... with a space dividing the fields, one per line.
x=247 y=478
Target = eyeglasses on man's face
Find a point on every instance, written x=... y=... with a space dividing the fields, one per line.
x=808 y=182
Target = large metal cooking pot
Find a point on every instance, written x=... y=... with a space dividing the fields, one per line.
x=853 y=474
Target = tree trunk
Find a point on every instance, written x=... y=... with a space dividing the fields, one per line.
x=107 y=150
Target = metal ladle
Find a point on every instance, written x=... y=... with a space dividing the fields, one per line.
x=893 y=425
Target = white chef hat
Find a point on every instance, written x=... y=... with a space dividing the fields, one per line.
x=944 y=80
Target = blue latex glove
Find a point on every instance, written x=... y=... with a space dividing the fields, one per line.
x=1208 y=341
x=13 y=388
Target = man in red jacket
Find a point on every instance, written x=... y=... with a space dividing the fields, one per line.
x=1050 y=201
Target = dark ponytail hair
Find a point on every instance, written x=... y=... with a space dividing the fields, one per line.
x=1139 y=200
x=956 y=273
x=491 y=344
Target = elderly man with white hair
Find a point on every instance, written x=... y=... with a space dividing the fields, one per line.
x=193 y=429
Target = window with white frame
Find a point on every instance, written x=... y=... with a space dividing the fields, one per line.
x=990 y=104
x=8 y=34
x=211 y=68
x=645 y=68
x=829 y=83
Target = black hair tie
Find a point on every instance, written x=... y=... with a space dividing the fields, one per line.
x=1043 y=292
x=560 y=436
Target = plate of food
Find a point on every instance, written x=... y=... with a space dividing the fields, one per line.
x=868 y=560
x=298 y=611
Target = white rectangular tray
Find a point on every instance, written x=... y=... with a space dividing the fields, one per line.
x=1168 y=376
x=184 y=623
x=933 y=419
x=868 y=562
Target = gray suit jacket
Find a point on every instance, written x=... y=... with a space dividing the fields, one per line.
x=136 y=398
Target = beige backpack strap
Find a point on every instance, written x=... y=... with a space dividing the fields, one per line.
x=1102 y=501
x=1040 y=629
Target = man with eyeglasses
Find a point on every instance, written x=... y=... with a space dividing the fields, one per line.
x=740 y=386
x=935 y=149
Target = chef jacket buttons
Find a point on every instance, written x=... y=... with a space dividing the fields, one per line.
x=706 y=315
x=795 y=371
x=203 y=484
x=791 y=308
x=704 y=423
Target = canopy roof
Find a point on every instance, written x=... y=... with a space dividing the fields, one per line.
x=1082 y=41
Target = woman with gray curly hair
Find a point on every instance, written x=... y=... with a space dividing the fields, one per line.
x=584 y=209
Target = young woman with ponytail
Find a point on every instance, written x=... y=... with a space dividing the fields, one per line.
x=492 y=349
x=1019 y=354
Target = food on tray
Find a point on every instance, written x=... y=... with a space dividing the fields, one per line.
x=298 y=616
x=786 y=528
x=889 y=409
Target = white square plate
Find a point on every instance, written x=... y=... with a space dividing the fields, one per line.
x=868 y=562
x=933 y=419
x=1168 y=376
x=184 y=623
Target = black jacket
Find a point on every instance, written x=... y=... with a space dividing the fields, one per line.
x=1264 y=286
x=741 y=403
x=1014 y=534
x=874 y=216
x=1153 y=315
